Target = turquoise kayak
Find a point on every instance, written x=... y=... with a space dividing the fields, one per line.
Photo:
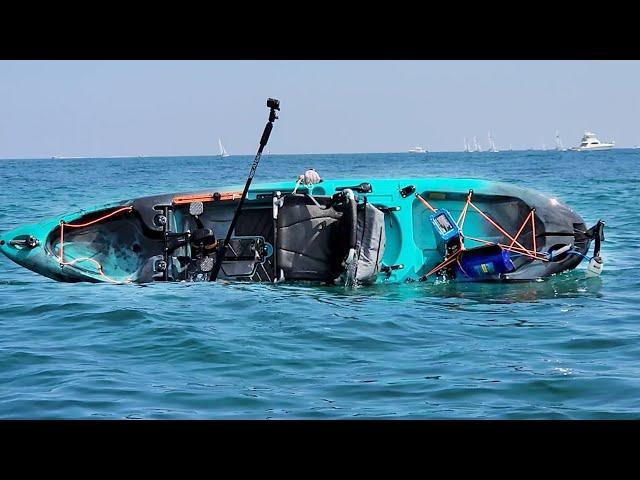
x=342 y=231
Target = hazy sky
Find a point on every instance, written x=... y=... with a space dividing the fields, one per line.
x=102 y=108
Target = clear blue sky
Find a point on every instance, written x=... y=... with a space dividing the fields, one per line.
x=103 y=108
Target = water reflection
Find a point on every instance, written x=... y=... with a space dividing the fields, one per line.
x=572 y=284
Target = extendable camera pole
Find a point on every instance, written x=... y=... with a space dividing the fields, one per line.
x=274 y=105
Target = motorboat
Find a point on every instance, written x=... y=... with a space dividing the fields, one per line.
x=590 y=142
x=417 y=149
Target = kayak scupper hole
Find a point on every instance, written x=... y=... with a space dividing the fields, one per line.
x=1 y=242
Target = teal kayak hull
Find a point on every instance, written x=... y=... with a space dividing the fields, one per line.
x=115 y=249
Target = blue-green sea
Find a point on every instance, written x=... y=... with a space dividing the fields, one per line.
x=564 y=348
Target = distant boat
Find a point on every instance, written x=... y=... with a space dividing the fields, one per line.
x=466 y=146
x=417 y=149
x=476 y=145
x=223 y=152
x=492 y=145
x=559 y=146
x=590 y=142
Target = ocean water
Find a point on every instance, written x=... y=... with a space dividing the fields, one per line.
x=565 y=348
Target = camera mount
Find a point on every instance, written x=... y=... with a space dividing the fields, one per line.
x=274 y=105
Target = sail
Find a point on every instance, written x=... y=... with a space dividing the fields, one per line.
x=492 y=144
x=558 y=142
x=476 y=145
x=223 y=152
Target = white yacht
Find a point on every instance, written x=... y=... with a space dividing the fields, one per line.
x=417 y=149
x=223 y=152
x=466 y=146
x=591 y=142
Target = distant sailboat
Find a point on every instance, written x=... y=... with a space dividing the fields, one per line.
x=466 y=146
x=223 y=152
x=559 y=146
x=476 y=145
x=492 y=145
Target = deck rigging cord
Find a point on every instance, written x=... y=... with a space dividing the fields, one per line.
x=515 y=246
x=98 y=265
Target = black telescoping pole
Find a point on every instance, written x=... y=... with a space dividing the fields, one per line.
x=274 y=105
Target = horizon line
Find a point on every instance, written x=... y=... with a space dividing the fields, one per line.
x=76 y=157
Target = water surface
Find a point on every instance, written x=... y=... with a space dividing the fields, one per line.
x=568 y=347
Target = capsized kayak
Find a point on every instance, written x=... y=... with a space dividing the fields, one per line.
x=349 y=231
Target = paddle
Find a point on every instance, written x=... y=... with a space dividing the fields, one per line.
x=274 y=105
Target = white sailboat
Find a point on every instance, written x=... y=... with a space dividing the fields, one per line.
x=559 y=146
x=466 y=146
x=476 y=145
x=223 y=152
x=492 y=145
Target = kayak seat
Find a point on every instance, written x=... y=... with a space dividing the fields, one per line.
x=366 y=262
x=313 y=238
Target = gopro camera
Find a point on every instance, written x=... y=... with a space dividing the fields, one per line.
x=273 y=103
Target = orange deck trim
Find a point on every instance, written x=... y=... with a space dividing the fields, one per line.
x=206 y=197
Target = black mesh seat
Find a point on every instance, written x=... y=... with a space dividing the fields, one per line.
x=314 y=238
